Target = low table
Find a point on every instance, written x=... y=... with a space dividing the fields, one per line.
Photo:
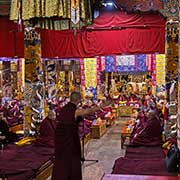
x=125 y=132
x=98 y=130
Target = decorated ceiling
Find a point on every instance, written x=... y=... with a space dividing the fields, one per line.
x=141 y=5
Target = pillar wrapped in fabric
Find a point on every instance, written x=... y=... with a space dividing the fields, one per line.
x=34 y=82
x=178 y=131
x=51 y=82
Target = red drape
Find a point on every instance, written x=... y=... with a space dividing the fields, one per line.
x=19 y=44
x=122 y=19
x=104 y=42
x=112 y=33
x=7 y=48
x=11 y=44
x=7 y=25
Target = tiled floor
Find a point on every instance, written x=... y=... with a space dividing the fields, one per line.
x=106 y=150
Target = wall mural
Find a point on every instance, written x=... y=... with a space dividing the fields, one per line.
x=171 y=9
x=141 y=5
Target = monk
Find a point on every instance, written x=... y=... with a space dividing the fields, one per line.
x=4 y=130
x=6 y=136
x=47 y=130
x=67 y=163
x=140 y=122
x=151 y=133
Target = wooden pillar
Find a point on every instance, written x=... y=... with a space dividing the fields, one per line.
x=34 y=82
x=51 y=80
x=6 y=75
x=178 y=120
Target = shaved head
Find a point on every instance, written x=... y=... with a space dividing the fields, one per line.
x=52 y=115
x=75 y=97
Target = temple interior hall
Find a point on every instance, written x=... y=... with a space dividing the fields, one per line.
x=89 y=90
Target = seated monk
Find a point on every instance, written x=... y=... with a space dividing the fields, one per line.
x=151 y=133
x=4 y=130
x=47 y=130
x=140 y=123
x=5 y=135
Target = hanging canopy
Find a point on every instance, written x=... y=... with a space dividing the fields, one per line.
x=118 y=19
x=112 y=34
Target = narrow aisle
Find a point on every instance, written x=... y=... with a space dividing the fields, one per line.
x=106 y=149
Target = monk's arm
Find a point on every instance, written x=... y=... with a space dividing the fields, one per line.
x=83 y=112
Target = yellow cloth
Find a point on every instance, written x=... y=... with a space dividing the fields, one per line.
x=90 y=71
x=160 y=69
x=49 y=8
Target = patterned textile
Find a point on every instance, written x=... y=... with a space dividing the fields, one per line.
x=75 y=10
x=90 y=69
x=103 y=63
x=153 y=79
x=34 y=85
x=146 y=5
x=110 y=64
x=149 y=61
x=125 y=63
x=141 y=63
x=82 y=72
x=98 y=71
x=170 y=9
x=160 y=70
x=51 y=8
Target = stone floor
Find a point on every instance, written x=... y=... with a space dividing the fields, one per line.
x=106 y=150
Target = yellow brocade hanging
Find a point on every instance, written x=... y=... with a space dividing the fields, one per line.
x=90 y=69
x=160 y=70
x=51 y=8
x=14 y=10
x=38 y=8
x=28 y=10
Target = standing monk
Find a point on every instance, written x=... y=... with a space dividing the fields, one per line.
x=67 y=163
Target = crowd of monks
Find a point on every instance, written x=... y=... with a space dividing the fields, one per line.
x=61 y=132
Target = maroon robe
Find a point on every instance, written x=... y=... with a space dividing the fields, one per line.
x=139 y=126
x=67 y=163
x=47 y=132
x=150 y=134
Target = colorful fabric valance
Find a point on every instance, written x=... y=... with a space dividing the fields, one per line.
x=125 y=63
x=90 y=71
x=110 y=64
x=160 y=71
x=141 y=63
